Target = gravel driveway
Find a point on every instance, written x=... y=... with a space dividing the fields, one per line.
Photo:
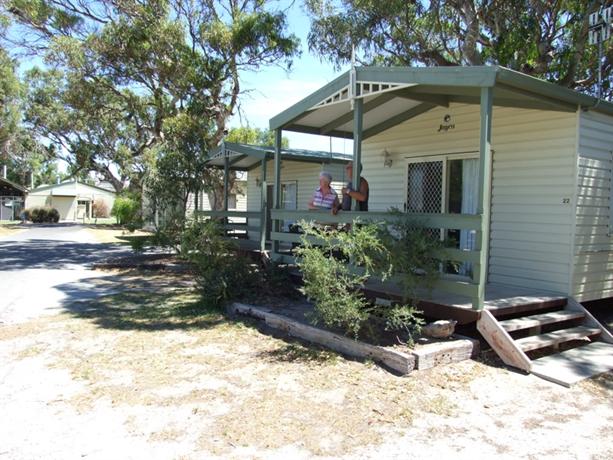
x=43 y=267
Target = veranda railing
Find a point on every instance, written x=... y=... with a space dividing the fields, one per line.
x=452 y=284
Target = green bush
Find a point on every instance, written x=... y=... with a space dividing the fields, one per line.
x=127 y=211
x=221 y=273
x=415 y=253
x=40 y=215
x=336 y=264
x=334 y=284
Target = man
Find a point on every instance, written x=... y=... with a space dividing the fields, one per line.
x=359 y=194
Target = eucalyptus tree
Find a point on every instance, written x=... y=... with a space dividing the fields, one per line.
x=126 y=83
x=543 y=38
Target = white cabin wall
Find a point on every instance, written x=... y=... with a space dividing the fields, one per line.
x=533 y=173
x=593 y=257
x=306 y=176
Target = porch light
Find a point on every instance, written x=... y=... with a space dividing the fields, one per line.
x=387 y=159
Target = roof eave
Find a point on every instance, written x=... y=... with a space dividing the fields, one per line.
x=298 y=109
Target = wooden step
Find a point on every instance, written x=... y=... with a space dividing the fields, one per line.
x=554 y=338
x=541 y=319
x=572 y=366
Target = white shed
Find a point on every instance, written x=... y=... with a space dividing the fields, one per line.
x=73 y=199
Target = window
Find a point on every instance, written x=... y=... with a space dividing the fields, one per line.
x=446 y=185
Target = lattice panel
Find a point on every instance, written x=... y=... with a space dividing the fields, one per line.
x=425 y=187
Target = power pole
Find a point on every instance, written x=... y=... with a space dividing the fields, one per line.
x=600 y=31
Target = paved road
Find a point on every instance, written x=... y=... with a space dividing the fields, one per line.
x=47 y=266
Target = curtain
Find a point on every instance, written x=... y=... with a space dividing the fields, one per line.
x=289 y=200
x=470 y=188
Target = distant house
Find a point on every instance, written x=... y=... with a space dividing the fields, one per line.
x=12 y=198
x=72 y=199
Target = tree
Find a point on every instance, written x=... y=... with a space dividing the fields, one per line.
x=254 y=136
x=10 y=90
x=128 y=83
x=543 y=38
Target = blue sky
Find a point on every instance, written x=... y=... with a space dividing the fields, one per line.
x=271 y=90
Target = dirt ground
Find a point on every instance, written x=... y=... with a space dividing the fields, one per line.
x=152 y=373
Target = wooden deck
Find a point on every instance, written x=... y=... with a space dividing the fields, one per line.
x=500 y=300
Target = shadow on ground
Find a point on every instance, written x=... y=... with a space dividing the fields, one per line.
x=131 y=302
x=54 y=254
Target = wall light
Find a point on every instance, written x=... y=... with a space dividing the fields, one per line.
x=387 y=158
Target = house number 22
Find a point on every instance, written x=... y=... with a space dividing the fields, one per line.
x=565 y=200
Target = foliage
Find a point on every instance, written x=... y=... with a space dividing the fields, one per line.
x=128 y=82
x=254 y=136
x=100 y=209
x=331 y=282
x=126 y=210
x=415 y=253
x=220 y=272
x=542 y=38
x=40 y=215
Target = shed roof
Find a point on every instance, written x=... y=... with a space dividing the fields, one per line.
x=392 y=95
x=68 y=184
x=7 y=185
x=244 y=157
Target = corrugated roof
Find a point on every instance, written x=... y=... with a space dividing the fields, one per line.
x=247 y=156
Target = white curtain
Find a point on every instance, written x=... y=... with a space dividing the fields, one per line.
x=290 y=198
x=470 y=188
x=416 y=190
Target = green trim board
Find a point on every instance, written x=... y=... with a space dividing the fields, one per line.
x=448 y=221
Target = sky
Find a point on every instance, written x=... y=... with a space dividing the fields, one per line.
x=272 y=90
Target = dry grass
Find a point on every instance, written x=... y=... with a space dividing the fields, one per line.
x=104 y=234
x=167 y=353
x=7 y=229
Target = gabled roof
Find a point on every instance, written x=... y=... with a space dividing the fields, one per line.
x=392 y=95
x=243 y=157
x=74 y=183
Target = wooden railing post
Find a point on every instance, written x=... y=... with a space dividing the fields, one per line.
x=358 y=109
x=264 y=210
x=277 y=187
x=484 y=199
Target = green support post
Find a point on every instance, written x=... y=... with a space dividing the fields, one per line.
x=226 y=184
x=485 y=187
x=264 y=214
x=277 y=187
x=358 y=112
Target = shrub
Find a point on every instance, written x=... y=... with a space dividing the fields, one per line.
x=41 y=215
x=221 y=273
x=100 y=209
x=53 y=215
x=332 y=283
x=126 y=210
x=415 y=253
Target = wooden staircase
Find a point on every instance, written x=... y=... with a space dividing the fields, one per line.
x=558 y=340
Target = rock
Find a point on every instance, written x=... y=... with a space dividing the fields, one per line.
x=440 y=329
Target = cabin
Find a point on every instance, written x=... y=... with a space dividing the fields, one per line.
x=301 y=170
x=517 y=169
x=12 y=197
x=72 y=199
